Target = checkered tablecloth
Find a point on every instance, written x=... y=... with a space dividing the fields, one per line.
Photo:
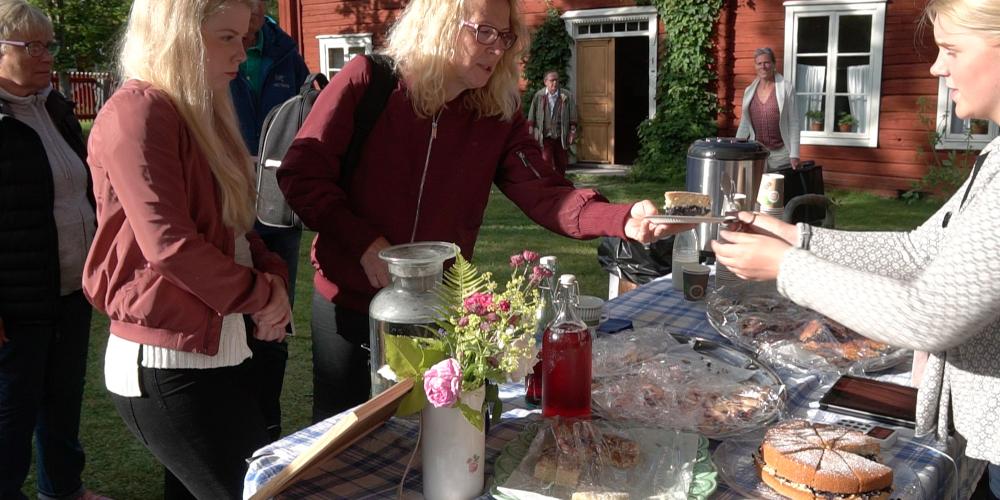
x=373 y=467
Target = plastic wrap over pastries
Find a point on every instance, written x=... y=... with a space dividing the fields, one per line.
x=650 y=379
x=787 y=334
x=582 y=459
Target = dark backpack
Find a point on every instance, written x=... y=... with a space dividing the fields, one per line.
x=282 y=125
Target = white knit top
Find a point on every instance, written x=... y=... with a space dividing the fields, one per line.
x=935 y=289
x=121 y=359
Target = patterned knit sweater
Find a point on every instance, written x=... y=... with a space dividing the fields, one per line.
x=934 y=289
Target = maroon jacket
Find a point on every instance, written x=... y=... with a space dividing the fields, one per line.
x=390 y=194
x=162 y=266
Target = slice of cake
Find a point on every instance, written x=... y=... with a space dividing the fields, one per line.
x=686 y=203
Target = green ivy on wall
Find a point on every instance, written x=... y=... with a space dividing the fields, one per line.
x=550 y=50
x=686 y=102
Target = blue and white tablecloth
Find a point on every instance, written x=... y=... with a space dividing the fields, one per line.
x=373 y=467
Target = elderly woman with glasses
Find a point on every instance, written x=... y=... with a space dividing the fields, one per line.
x=450 y=129
x=47 y=223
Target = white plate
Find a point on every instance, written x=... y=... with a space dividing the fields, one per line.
x=687 y=219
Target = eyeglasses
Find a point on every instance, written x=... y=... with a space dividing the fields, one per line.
x=487 y=35
x=35 y=49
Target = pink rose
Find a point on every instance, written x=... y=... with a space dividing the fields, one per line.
x=504 y=305
x=516 y=260
x=492 y=317
x=442 y=383
x=463 y=321
x=538 y=273
x=529 y=256
x=478 y=303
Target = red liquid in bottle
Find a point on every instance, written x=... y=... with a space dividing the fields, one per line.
x=533 y=384
x=566 y=371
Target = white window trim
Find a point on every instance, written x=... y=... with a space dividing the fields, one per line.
x=876 y=8
x=345 y=42
x=951 y=140
x=574 y=18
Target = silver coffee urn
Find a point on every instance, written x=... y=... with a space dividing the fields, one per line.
x=719 y=165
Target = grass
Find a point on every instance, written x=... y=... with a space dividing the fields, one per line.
x=118 y=465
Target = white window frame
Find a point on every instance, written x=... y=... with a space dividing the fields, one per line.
x=959 y=139
x=346 y=42
x=648 y=14
x=834 y=8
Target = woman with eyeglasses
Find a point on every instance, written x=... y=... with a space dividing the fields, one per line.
x=47 y=223
x=450 y=129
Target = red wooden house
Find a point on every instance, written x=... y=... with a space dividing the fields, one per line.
x=865 y=58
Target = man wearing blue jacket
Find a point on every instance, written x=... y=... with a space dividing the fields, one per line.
x=273 y=72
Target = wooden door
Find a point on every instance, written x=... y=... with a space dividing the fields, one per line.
x=595 y=92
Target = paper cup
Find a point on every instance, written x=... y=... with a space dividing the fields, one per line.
x=771 y=193
x=695 y=281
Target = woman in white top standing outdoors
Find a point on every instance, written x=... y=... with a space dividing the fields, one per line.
x=934 y=289
x=769 y=114
x=174 y=264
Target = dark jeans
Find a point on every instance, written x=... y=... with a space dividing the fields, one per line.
x=341 y=378
x=42 y=370
x=269 y=358
x=267 y=376
x=201 y=425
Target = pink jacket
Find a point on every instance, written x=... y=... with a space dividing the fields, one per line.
x=415 y=184
x=162 y=265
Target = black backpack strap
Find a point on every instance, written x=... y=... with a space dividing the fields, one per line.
x=380 y=86
x=307 y=85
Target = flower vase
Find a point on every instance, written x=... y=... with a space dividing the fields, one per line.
x=453 y=453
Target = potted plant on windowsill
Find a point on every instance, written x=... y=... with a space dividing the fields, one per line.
x=846 y=122
x=979 y=127
x=815 y=118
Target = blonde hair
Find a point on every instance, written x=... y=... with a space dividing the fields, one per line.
x=423 y=43
x=163 y=46
x=19 y=18
x=982 y=16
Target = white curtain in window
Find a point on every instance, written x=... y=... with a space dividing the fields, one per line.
x=857 y=85
x=808 y=79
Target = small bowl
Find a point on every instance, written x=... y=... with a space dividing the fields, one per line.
x=590 y=309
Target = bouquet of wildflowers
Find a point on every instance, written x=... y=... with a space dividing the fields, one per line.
x=484 y=336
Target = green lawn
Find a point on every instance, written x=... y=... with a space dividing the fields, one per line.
x=118 y=466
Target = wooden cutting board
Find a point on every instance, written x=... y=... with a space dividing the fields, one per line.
x=352 y=427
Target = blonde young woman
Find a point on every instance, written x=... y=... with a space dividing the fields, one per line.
x=173 y=263
x=934 y=289
x=450 y=129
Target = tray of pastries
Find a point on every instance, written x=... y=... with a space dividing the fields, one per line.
x=786 y=334
x=657 y=379
x=585 y=460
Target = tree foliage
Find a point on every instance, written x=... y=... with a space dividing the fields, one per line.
x=87 y=29
x=686 y=104
x=550 y=50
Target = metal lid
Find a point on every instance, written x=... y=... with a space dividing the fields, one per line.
x=727 y=148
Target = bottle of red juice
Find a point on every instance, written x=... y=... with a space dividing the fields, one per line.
x=566 y=357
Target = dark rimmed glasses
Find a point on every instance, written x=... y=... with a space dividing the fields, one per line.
x=487 y=35
x=36 y=48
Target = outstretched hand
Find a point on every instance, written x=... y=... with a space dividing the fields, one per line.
x=758 y=223
x=750 y=256
x=640 y=229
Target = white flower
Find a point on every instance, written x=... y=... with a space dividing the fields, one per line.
x=524 y=345
x=387 y=373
